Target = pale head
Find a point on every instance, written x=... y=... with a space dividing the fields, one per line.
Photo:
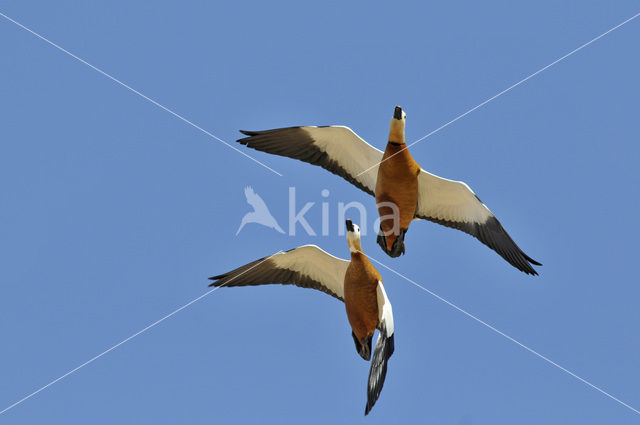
x=396 y=131
x=353 y=237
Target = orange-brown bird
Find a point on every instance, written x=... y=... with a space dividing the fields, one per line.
x=403 y=191
x=356 y=282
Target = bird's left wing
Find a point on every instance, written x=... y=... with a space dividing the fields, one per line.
x=307 y=266
x=453 y=204
x=383 y=351
x=335 y=148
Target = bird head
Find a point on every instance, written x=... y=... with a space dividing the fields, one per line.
x=353 y=236
x=396 y=132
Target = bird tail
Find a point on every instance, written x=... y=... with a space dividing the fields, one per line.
x=377 y=373
x=363 y=346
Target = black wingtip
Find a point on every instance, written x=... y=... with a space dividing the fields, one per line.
x=245 y=140
x=534 y=262
x=215 y=278
x=523 y=266
x=383 y=351
x=529 y=270
x=368 y=408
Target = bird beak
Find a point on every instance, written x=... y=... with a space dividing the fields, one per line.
x=349 y=226
x=397 y=114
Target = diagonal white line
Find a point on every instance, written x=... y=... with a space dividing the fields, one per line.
x=255 y=160
x=109 y=76
x=499 y=332
x=577 y=49
x=91 y=360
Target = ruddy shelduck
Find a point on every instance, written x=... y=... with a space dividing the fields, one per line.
x=356 y=282
x=402 y=189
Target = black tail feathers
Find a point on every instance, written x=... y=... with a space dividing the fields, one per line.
x=397 y=249
x=364 y=346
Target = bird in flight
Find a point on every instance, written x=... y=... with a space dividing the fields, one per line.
x=402 y=189
x=356 y=282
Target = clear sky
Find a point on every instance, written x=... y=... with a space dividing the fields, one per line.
x=115 y=212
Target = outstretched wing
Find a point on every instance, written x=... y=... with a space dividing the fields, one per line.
x=383 y=351
x=307 y=266
x=335 y=148
x=453 y=204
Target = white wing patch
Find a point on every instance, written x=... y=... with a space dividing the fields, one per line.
x=449 y=200
x=350 y=151
x=385 y=312
x=453 y=204
x=319 y=265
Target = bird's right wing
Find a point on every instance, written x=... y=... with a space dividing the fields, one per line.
x=307 y=266
x=453 y=204
x=335 y=148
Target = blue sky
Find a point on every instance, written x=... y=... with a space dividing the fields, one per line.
x=115 y=212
